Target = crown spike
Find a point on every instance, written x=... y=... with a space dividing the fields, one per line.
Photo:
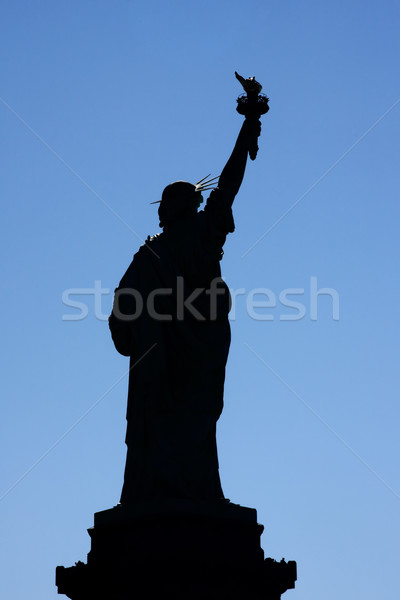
x=202 y=179
x=209 y=180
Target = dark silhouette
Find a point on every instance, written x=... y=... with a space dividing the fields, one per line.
x=178 y=342
x=171 y=536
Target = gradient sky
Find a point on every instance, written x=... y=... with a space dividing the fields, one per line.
x=102 y=104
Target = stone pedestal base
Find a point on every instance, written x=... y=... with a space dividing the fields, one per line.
x=183 y=550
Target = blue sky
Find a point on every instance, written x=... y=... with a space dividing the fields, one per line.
x=103 y=104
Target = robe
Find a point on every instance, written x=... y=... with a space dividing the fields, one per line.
x=170 y=316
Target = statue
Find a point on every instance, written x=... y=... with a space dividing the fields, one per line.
x=173 y=534
x=170 y=316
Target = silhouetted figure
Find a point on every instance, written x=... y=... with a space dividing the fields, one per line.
x=170 y=317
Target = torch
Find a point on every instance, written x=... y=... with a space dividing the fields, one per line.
x=252 y=105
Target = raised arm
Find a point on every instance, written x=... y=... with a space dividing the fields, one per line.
x=233 y=172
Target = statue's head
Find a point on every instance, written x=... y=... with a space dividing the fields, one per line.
x=179 y=200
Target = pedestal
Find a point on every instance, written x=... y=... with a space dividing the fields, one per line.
x=183 y=550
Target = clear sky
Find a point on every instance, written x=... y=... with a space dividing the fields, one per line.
x=102 y=104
